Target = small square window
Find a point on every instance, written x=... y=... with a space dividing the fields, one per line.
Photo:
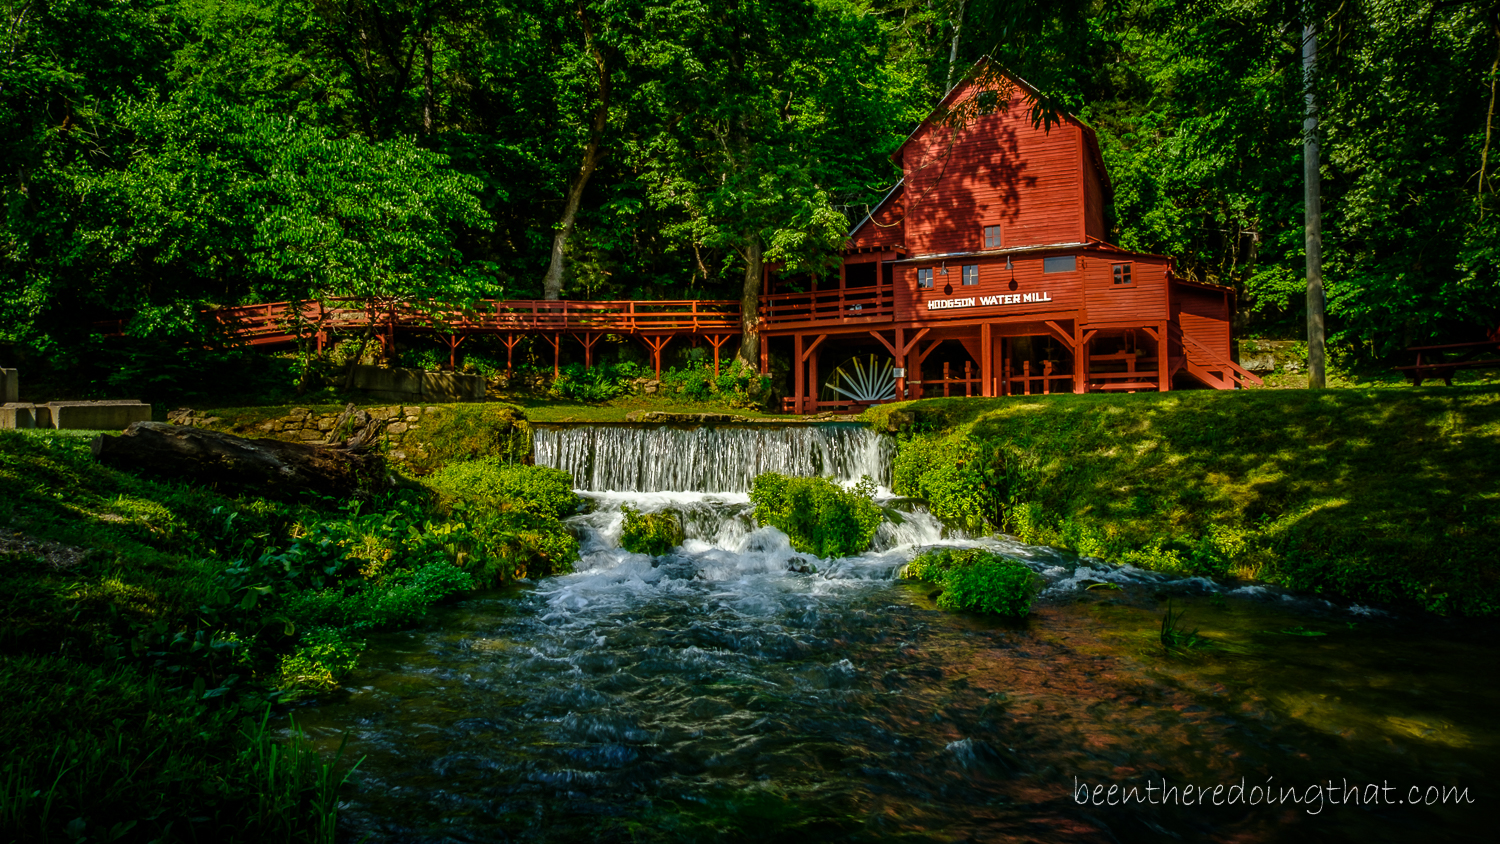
x=924 y=277
x=1060 y=264
x=991 y=237
x=971 y=274
x=1122 y=273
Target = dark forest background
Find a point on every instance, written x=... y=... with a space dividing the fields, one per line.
x=163 y=156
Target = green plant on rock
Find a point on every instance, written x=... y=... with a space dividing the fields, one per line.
x=650 y=533
x=979 y=580
x=817 y=515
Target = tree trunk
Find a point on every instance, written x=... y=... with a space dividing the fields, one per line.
x=552 y=281
x=750 y=304
x=266 y=467
x=1313 y=210
x=958 y=24
x=427 y=81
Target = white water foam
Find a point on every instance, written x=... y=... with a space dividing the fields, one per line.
x=710 y=459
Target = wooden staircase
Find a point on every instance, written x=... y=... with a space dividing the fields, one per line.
x=1209 y=366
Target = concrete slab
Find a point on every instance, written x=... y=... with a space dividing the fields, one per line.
x=10 y=386
x=18 y=416
x=98 y=415
x=408 y=385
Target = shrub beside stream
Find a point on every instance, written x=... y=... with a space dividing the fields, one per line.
x=817 y=515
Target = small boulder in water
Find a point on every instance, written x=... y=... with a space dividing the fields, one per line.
x=801 y=566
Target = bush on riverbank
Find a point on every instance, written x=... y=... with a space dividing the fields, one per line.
x=1363 y=495
x=649 y=533
x=158 y=616
x=506 y=519
x=819 y=516
x=975 y=579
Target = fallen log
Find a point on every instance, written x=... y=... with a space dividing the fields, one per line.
x=266 y=467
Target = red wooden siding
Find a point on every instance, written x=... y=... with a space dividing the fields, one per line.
x=884 y=229
x=1093 y=200
x=1142 y=302
x=1064 y=291
x=999 y=170
x=1204 y=316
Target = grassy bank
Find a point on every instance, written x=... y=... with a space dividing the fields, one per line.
x=152 y=631
x=1387 y=495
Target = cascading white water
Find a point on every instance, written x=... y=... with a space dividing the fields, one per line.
x=733 y=661
x=618 y=458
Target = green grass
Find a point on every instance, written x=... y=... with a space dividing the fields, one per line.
x=1389 y=495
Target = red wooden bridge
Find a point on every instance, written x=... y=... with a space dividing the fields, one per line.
x=653 y=323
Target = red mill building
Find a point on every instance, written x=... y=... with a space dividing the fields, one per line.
x=985 y=272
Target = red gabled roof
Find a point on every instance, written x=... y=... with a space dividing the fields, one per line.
x=952 y=96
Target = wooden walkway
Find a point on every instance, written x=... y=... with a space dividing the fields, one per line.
x=654 y=323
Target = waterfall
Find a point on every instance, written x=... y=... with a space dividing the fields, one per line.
x=621 y=458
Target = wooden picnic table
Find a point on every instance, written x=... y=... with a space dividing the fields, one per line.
x=1433 y=363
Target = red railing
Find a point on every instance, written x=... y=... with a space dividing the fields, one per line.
x=856 y=304
x=282 y=321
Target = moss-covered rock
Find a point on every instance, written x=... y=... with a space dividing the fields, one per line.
x=650 y=533
x=817 y=515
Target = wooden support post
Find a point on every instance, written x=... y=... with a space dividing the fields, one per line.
x=900 y=353
x=656 y=344
x=1164 y=383
x=765 y=355
x=556 y=341
x=589 y=339
x=453 y=341
x=717 y=341
x=968 y=379
x=1026 y=375
x=510 y=341
x=1080 y=360
x=1046 y=377
x=986 y=360
x=946 y=377
x=800 y=374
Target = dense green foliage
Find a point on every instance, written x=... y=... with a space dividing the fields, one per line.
x=817 y=515
x=512 y=515
x=469 y=432
x=975 y=579
x=156 y=616
x=650 y=533
x=164 y=156
x=1363 y=495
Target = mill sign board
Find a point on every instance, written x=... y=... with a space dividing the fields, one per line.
x=985 y=301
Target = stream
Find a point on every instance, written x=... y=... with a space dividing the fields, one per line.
x=737 y=690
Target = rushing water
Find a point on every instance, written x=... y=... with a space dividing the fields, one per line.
x=663 y=458
x=735 y=689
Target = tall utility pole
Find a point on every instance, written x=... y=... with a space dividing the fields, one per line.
x=1312 y=204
